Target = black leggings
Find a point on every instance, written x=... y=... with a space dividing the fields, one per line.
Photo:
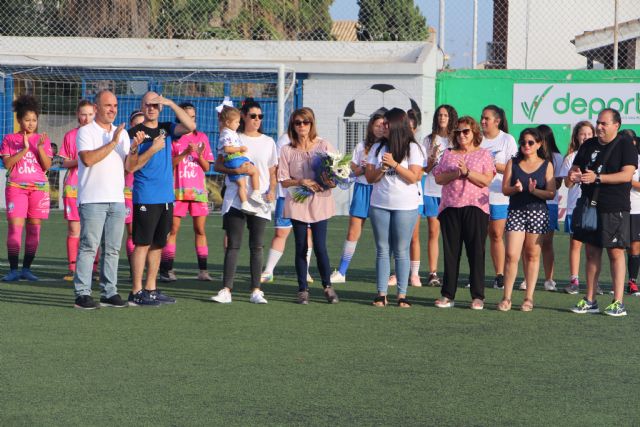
x=319 y=235
x=233 y=223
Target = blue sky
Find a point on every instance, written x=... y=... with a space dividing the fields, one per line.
x=458 y=25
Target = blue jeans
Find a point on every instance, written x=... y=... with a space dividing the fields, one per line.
x=100 y=223
x=392 y=230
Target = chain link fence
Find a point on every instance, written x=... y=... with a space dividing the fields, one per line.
x=495 y=34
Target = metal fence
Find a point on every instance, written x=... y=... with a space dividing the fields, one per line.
x=512 y=34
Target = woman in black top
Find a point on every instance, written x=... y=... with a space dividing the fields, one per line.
x=529 y=182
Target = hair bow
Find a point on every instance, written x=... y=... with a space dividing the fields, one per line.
x=226 y=103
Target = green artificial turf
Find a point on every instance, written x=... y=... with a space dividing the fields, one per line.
x=200 y=363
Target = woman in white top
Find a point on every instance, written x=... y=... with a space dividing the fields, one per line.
x=502 y=147
x=445 y=120
x=359 y=208
x=581 y=132
x=394 y=167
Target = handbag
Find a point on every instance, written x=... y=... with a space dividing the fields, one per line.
x=585 y=214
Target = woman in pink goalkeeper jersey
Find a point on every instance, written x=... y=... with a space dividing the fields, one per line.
x=84 y=113
x=27 y=156
x=191 y=158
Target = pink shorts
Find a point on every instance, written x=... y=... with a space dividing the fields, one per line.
x=128 y=206
x=23 y=203
x=71 y=209
x=180 y=208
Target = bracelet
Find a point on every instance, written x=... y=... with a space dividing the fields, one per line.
x=396 y=166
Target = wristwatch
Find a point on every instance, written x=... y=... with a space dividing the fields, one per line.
x=598 y=179
x=134 y=150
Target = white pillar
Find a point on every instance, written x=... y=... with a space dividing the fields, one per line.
x=281 y=85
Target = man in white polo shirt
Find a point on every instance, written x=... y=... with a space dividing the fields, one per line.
x=102 y=153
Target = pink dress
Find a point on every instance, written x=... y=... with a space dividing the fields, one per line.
x=296 y=164
x=461 y=192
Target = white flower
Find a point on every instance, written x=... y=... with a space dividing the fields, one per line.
x=342 y=172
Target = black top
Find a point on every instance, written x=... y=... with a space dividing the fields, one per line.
x=525 y=200
x=613 y=197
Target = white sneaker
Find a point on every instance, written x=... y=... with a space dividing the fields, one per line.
x=550 y=285
x=523 y=286
x=247 y=208
x=223 y=297
x=257 y=197
x=257 y=297
x=337 y=277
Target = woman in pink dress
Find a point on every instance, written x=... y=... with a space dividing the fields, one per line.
x=26 y=156
x=295 y=169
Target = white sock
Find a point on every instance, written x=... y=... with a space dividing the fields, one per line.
x=309 y=251
x=272 y=260
x=415 y=268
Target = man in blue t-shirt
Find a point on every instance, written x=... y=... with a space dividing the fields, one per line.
x=153 y=193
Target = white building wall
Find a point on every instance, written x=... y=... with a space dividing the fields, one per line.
x=540 y=31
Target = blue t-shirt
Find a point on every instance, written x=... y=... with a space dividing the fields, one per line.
x=153 y=183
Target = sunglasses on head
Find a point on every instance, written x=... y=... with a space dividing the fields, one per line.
x=465 y=132
x=256 y=116
x=530 y=143
x=302 y=122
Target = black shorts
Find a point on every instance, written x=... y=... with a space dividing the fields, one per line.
x=614 y=231
x=152 y=223
x=635 y=227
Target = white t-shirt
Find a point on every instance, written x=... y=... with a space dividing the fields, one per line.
x=104 y=181
x=502 y=148
x=263 y=154
x=432 y=189
x=359 y=158
x=557 y=173
x=635 y=194
x=228 y=138
x=574 y=192
x=392 y=192
x=282 y=141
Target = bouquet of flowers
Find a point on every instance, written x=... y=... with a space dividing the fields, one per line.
x=335 y=167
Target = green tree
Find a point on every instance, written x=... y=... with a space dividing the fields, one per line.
x=384 y=20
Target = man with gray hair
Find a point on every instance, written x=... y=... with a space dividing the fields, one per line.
x=102 y=154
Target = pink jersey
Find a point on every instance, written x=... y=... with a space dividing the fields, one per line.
x=69 y=151
x=27 y=170
x=128 y=186
x=189 y=179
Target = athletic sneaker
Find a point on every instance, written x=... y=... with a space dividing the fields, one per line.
x=223 y=296
x=247 y=208
x=584 y=306
x=85 y=302
x=204 y=276
x=164 y=276
x=114 y=301
x=266 y=278
x=523 y=285
x=632 y=288
x=337 y=277
x=550 y=285
x=12 y=276
x=68 y=277
x=434 y=280
x=162 y=298
x=573 y=287
x=142 y=299
x=616 y=309
x=392 y=280
x=498 y=282
x=444 y=303
x=28 y=275
x=257 y=197
x=257 y=297
x=414 y=281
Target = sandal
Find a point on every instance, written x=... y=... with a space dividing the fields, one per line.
x=380 y=301
x=404 y=303
x=527 y=305
x=504 y=305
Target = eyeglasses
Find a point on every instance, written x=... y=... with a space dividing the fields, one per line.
x=464 y=132
x=254 y=116
x=302 y=122
x=529 y=142
x=156 y=106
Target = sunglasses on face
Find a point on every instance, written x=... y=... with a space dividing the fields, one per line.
x=254 y=116
x=529 y=142
x=156 y=106
x=464 y=132
x=302 y=122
